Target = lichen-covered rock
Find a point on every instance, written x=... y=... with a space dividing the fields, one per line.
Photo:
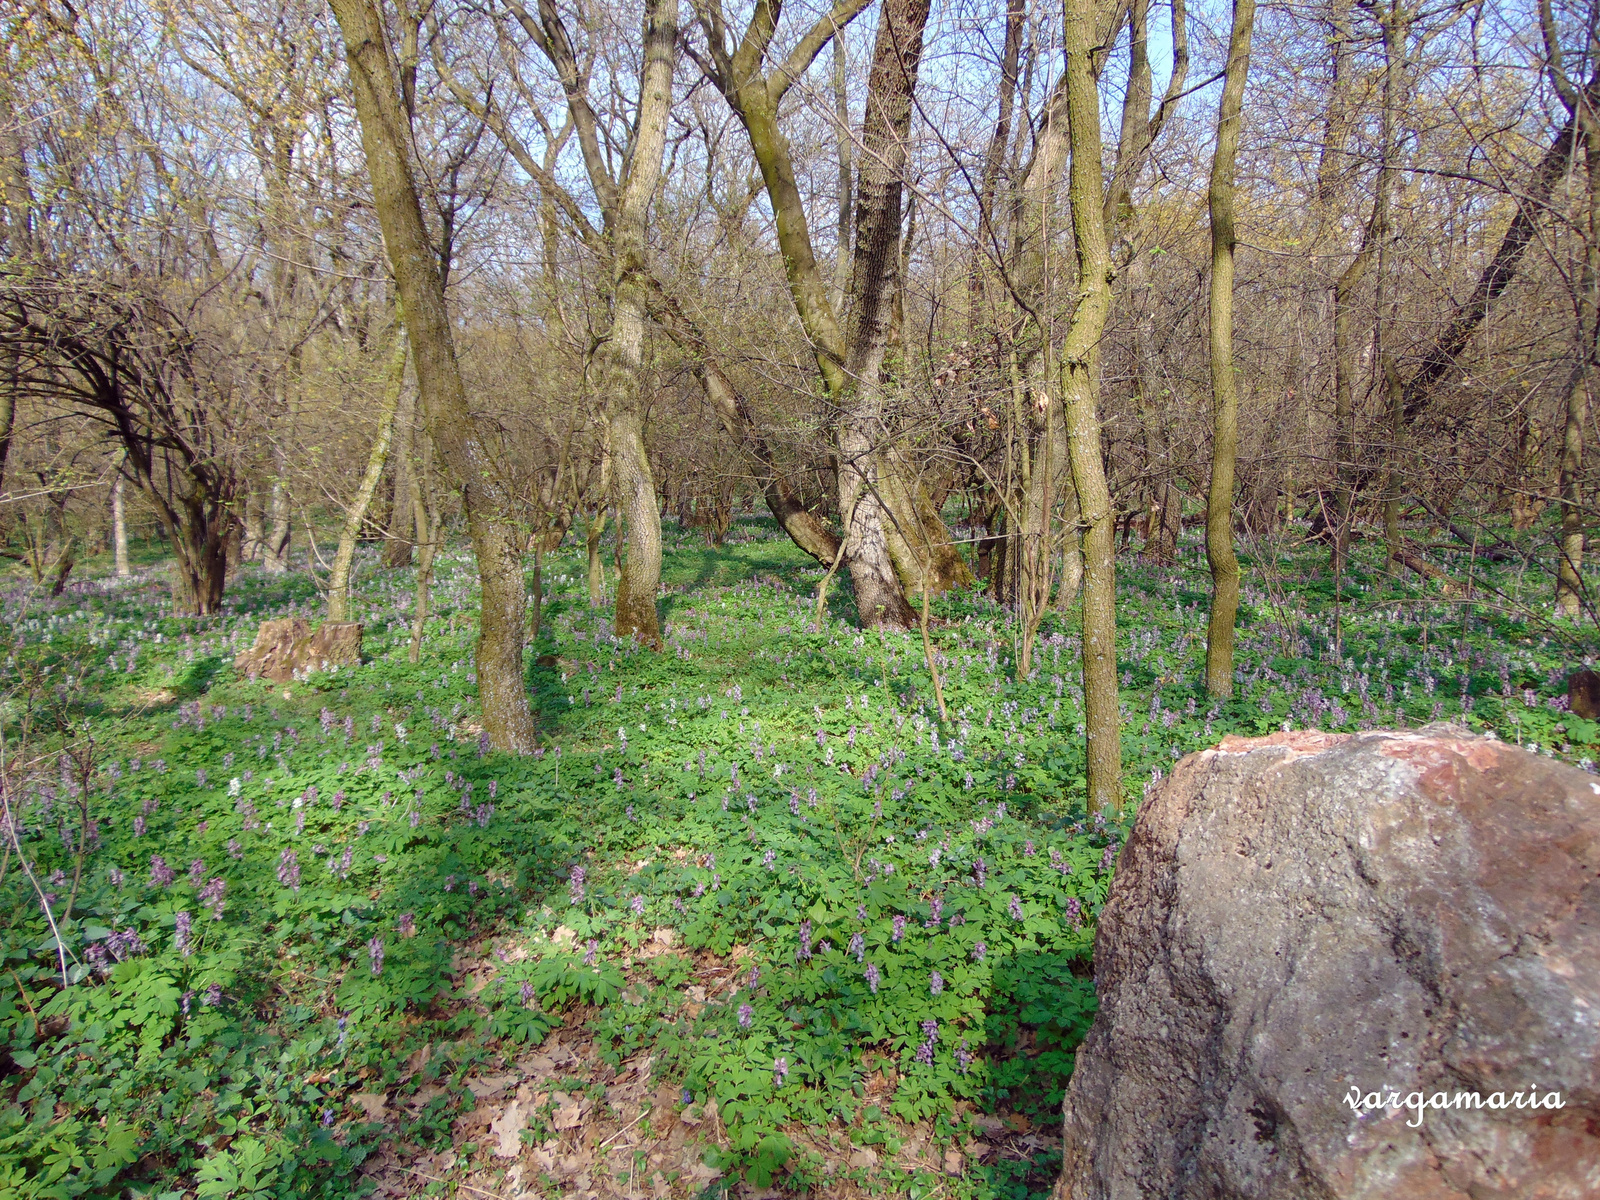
x=1309 y=919
x=287 y=649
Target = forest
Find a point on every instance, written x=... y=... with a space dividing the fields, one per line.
x=797 y=480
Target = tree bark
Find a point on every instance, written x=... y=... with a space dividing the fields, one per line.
x=275 y=547
x=865 y=461
x=119 y=525
x=339 y=577
x=623 y=354
x=467 y=453
x=1224 y=388
x=1080 y=392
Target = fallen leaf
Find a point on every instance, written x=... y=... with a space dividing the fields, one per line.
x=569 y=1111
x=508 y=1127
x=372 y=1103
x=539 y=1064
x=424 y=1095
x=863 y=1159
x=953 y=1162
x=486 y=1086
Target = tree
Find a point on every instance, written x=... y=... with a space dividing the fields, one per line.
x=1224 y=388
x=468 y=450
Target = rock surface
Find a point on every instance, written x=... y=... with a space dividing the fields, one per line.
x=1300 y=915
x=288 y=648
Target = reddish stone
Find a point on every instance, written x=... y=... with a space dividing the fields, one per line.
x=1300 y=914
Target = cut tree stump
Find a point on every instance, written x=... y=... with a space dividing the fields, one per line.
x=289 y=649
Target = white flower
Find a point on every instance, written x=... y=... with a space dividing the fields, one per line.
x=234 y=786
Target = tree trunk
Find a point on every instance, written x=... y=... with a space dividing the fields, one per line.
x=865 y=461
x=339 y=577
x=1080 y=393
x=275 y=547
x=844 y=140
x=250 y=549
x=623 y=354
x=425 y=512
x=597 y=569
x=804 y=527
x=471 y=458
x=1569 y=570
x=398 y=546
x=119 y=525
x=1224 y=388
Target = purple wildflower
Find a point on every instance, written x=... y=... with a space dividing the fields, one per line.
x=873 y=976
x=937 y=907
x=590 y=951
x=197 y=872
x=805 y=939
x=963 y=1058
x=1075 y=911
x=213 y=996
x=935 y=983
x=160 y=874
x=138 y=827
x=637 y=904
x=858 y=946
x=978 y=951
x=212 y=896
x=180 y=934
x=375 y=953
x=746 y=1015
x=235 y=850
x=769 y=859
x=125 y=944
x=575 y=886
x=289 y=870
x=407 y=924
x=899 y=928
x=525 y=993
x=980 y=870
x=780 y=1071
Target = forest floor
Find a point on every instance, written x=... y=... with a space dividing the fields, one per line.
x=753 y=920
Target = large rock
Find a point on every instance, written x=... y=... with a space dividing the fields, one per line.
x=1302 y=915
x=288 y=649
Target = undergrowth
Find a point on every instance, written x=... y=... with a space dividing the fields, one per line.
x=238 y=905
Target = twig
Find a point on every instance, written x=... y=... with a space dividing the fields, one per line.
x=625 y=1128
x=438 y=1179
